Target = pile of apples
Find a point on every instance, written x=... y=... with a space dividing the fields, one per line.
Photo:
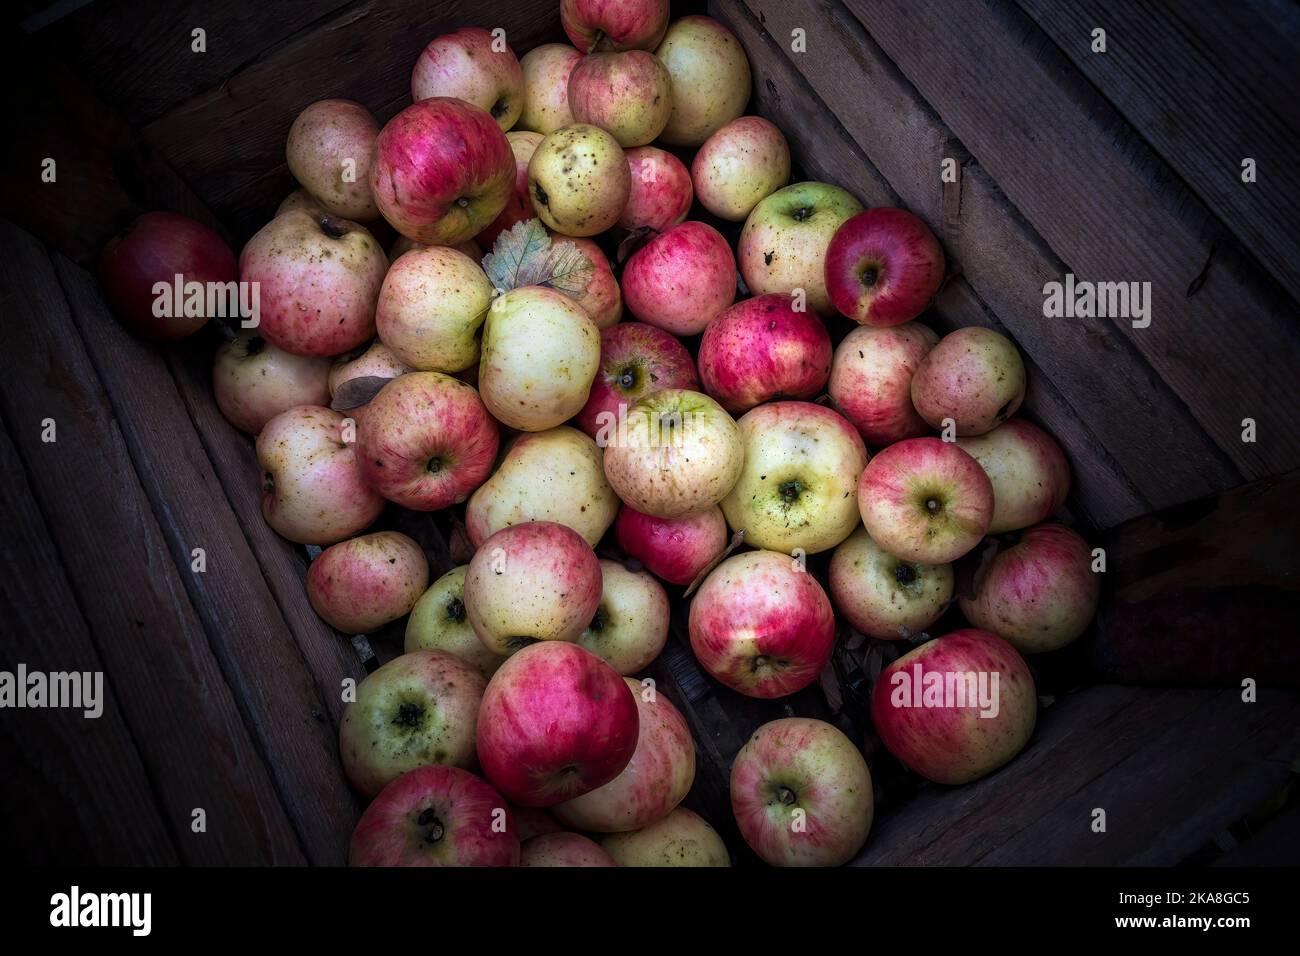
x=489 y=365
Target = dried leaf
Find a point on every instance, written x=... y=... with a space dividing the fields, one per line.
x=356 y=392
x=525 y=254
x=634 y=240
x=736 y=539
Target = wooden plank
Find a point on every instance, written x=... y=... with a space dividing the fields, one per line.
x=169 y=685
x=1206 y=592
x=85 y=773
x=1163 y=450
x=1276 y=843
x=1226 y=71
x=1103 y=494
x=1222 y=335
x=225 y=141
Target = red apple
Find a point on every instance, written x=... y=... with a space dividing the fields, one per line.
x=156 y=248
x=614 y=24
x=361 y=584
x=681 y=279
x=628 y=94
x=883 y=267
x=683 y=838
x=635 y=359
x=973 y=377
x=556 y=722
x=675 y=549
x=882 y=596
x=436 y=816
x=601 y=299
x=470 y=65
x=630 y=627
x=426 y=441
x=801 y=793
x=520 y=205
x=1040 y=593
x=563 y=849
x=1028 y=470
x=253 y=381
x=443 y=171
x=871 y=381
x=762 y=625
x=661 y=190
x=925 y=500
x=761 y=349
x=739 y=166
x=955 y=708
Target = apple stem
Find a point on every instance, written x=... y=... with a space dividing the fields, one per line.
x=786 y=795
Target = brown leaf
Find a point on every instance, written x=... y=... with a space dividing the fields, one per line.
x=356 y=392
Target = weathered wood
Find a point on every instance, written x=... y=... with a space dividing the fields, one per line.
x=181 y=713
x=1163 y=450
x=1223 y=335
x=1207 y=85
x=86 y=771
x=1103 y=494
x=1206 y=592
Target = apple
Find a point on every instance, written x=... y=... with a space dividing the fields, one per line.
x=675 y=549
x=436 y=816
x=156 y=248
x=578 y=180
x=740 y=165
x=556 y=722
x=312 y=489
x=871 y=381
x=683 y=838
x=375 y=360
x=426 y=441
x=540 y=354
x=253 y=381
x=883 y=267
x=762 y=625
x=883 y=596
x=1039 y=594
x=556 y=475
x=418 y=709
x=469 y=64
x=614 y=24
x=300 y=199
x=956 y=708
x=443 y=171
x=361 y=584
x=439 y=622
x=661 y=192
x=601 y=299
x=784 y=241
x=1028 y=470
x=801 y=793
x=519 y=206
x=403 y=244
x=796 y=490
x=925 y=500
x=973 y=376
x=330 y=150
x=679 y=454
x=537 y=581
x=630 y=626
x=533 y=822
x=654 y=782
x=760 y=349
x=629 y=95
x=546 y=87
x=635 y=359
x=681 y=279
x=318 y=279
x=563 y=849
x=430 y=307
x=710 y=75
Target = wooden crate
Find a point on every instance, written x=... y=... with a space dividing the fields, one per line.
x=224 y=686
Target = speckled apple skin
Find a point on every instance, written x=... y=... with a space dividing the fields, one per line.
x=459 y=816
x=317 y=293
x=1041 y=593
x=739 y=166
x=312 y=489
x=439 y=622
x=546 y=87
x=361 y=584
x=556 y=475
x=322 y=139
x=761 y=625
x=464 y=65
x=253 y=381
x=683 y=838
x=556 y=722
x=602 y=299
x=871 y=381
x=711 y=79
x=519 y=206
x=537 y=581
x=954 y=745
x=616 y=24
x=661 y=191
x=674 y=549
x=867 y=589
x=635 y=360
x=900 y=255
x=628 y=94
x=1028 y=470
x=974 y=376
x=563 y=849
x=681 y=279
x=578 y=180
x=760 y=349
x=418 y=419
x=630 y=627
x=825 y=774
x=430 y=308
